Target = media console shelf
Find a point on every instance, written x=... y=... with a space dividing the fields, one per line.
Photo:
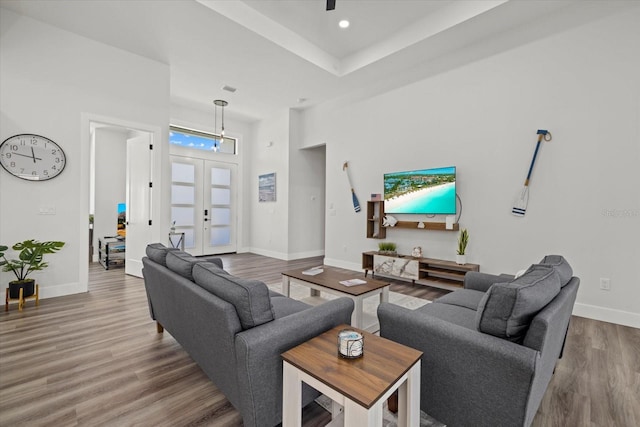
x=433 y=271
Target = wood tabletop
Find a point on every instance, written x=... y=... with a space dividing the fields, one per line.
x=363 y=380
x=331 y=278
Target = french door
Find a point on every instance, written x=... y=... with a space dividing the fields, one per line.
x=203 y=204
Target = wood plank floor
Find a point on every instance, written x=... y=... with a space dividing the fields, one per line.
x=96 y=359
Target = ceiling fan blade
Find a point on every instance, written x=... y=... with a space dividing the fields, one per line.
x=331 y=4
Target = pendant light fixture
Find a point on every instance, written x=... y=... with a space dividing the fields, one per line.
x=219 y=103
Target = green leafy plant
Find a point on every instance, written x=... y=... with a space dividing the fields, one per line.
x=30 y=257
x=387 y=247
x=463 y=240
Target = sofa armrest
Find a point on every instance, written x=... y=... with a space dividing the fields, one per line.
x=259 y=361
x=467 y=377
x=483 y=281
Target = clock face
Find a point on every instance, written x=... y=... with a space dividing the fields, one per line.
x=32 y=157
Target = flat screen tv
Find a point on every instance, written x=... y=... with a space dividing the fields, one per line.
x=424 y=191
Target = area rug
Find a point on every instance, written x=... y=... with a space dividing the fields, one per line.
x=370 y=307
x=389 y=419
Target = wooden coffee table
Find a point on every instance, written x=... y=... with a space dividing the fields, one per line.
x=329 y=281
x=358 y=387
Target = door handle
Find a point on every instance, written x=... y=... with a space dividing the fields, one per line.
x=206 y=212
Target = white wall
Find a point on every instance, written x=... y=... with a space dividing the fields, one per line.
x=50 y=80
x=583 y=86
x=292 y=227
x=110 y=182
x=306 y=195
x=269 y=220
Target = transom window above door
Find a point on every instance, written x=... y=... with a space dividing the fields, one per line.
x=198 y=140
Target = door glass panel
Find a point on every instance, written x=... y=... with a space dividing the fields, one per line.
x=182 y=172
x=220 y=236
x=182 y=216
x=220 y=176
x=220 y=216
x=220 y=196
x=183 y=195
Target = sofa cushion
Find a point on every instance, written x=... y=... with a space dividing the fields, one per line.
x=249 y=297
x=506 y=310
x=561 y=266
x=467 y=298
x=157 y=252
x=182 y=263
x=283 y=306
x=455 y=314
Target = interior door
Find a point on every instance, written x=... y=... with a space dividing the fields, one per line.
x=203 y=204
x=138 y=199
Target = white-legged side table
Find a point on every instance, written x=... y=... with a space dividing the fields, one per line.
x=358 y=387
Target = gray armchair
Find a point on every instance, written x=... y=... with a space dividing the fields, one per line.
x=489 y=349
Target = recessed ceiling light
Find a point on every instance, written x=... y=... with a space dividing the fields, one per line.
x=343 y=24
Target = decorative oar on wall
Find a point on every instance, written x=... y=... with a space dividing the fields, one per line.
x=356 y=203
x=520 y=204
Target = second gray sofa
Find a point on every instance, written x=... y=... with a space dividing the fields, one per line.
x=234 y=329
x=490 y=349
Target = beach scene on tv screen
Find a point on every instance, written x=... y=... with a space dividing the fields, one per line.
x=425 y=191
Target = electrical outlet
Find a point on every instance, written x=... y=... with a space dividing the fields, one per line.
x=605 y=284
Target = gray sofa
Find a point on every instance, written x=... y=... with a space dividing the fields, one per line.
x=234 y=329
x=490 y=348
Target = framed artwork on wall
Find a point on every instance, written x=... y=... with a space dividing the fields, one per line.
x=267 y=187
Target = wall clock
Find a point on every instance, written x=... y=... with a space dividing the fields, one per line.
x=32 y=157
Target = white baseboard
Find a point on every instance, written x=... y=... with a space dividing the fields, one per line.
x=285 y=256
x=62 y=290
x=272 y=254
x=604 y=314
x=308 y=254
x=343 y=264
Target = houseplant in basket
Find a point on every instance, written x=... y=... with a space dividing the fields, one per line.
x=463 y=240
x=30 y=258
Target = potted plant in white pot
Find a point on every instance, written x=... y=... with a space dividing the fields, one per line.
x=463 y=240
x=30 y=258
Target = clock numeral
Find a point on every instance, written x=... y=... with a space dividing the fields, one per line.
x=34 y=173
x=53 y=167
x=57 y=159
x=8 y=155
x=53 y=151
x=45 y=172
x=12 y=164
x=21 y=170
x=13 y=147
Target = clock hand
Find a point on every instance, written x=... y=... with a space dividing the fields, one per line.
x=33 y=155
x=24 y=155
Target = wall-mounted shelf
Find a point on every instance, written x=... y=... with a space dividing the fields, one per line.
x=428 y=225
x=375 y=216
x=375 y=213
